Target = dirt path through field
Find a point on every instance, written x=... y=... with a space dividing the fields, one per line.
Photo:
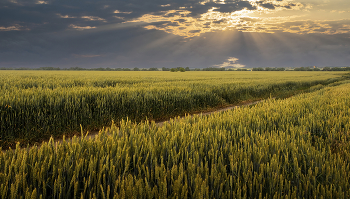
x=93 y=134
x=215 y=111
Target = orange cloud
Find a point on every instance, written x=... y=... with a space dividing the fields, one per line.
x=81 y=27
x=231 y=63
x=15 y=27
x=93 y=18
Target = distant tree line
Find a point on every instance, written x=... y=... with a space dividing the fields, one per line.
x=241 y=69
x=22 y=68
x=84 y=69
x=114 y=69
x=181 y=69
x=323 y=69
x=268 y=69
x=305 y=69
x=214 y=69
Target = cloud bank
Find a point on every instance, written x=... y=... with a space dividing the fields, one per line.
x=169 y=33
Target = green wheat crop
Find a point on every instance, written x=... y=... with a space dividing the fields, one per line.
x=292 y=148
x=38 y=104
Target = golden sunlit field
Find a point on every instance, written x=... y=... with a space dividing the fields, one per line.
x=283 y=147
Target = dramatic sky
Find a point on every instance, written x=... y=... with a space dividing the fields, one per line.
x=174 y=33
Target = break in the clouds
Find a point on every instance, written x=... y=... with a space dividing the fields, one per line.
x=232 y=62
x=251 y=16
x=169 y=33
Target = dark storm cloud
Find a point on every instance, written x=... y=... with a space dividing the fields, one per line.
x=230 y=6
x=268 y=5
x=219 y=21
x=273 y=5
x=54 y=15
x=285 y=50
x=136 y=47
x=36 y=32
x=44 y=17
x=116 y=48
x=90 y=33
x=234 y=6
